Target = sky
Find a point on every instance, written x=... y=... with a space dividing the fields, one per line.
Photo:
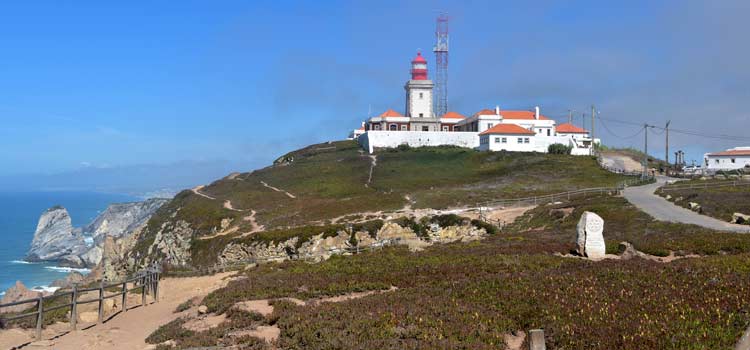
x=208 y=87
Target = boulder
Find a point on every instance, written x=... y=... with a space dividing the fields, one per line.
x=694 y=206
x=73 y=277
x=590 y=241
x=739 y=218
x=17 y=293
x=203 y=309
x=668 y=197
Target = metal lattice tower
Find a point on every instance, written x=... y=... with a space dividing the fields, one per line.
x=441 y=66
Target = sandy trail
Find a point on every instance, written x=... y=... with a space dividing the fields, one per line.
x=197 y=190
x=277 y=189
x=374 y=163
x=123 y=331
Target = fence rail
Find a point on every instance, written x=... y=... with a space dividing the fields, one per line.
x=147 y=281
x=705 y=185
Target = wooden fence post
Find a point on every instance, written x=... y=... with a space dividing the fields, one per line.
x=125 y=295
x=39 y=316
x=101 y=302
x=143 y=290
x=156 y=286
x=74 y=308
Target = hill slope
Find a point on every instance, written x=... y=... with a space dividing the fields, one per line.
x=312 y=186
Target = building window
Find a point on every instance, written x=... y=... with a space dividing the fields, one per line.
x=377 y=126
x=505 y=140
x=393 y=127
x=732 y=160
x=526 y=140
x=489 y=125
x=420 y=95
x=404 y=128
x=445 y=128
x=717 y=161
x=548 y=132
x=425 y=128
x=497 y=140
x=520 y=140
x=421 y=115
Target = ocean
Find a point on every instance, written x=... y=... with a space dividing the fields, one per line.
x=19 y=214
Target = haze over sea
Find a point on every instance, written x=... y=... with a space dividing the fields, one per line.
x=19 y=213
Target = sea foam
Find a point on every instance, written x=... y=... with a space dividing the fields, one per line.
x=21 y=262
x=67 y=269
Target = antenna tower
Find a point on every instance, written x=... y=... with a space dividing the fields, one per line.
x=441 y=65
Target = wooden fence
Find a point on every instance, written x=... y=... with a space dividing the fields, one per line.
x=144 y=281
x=551 y=198
x=706 y=184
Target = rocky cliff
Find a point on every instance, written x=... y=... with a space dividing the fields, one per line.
x=55 y=237
x=57 y=240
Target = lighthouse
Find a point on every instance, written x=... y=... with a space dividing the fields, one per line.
x=419 y=97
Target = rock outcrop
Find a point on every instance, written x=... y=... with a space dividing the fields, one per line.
x=590 y=241
x=57 y=240
x=55 y=237
x=17 y=293
x=739 y=218
x=321 y=247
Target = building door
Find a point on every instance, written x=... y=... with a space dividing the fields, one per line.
x=425 y=128
x=393 y=127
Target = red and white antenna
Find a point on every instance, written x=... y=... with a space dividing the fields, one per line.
x=441 y=66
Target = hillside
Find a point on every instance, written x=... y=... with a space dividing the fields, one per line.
x=338 y=182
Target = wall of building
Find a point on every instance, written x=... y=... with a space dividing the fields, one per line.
x=381 y=139
x=528 y=143
x=725 y=162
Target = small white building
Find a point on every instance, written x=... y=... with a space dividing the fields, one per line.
x=731 y=159
x=507 y=137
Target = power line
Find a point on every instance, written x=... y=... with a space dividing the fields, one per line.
x=684 y=132
x=640 y=130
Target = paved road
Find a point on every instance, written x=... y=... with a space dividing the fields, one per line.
x=644 y=198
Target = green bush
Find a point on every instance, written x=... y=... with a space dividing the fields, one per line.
x=559 y=148
x=490 y=228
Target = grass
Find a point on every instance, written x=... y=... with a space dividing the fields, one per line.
x=328 y=181
x=717 y=202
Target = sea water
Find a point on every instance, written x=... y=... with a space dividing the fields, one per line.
x=19 y=214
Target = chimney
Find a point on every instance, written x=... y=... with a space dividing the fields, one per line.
x=536 y=112
x=497 y=110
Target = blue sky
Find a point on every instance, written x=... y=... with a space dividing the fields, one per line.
x=92 y=84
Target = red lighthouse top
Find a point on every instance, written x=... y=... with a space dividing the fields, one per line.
x=419 y=68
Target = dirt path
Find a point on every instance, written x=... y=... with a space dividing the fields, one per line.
x=228 y=205
x=643 y=198
x=123 y=331
x=256 y=227
x=621 y=163
x=277 y=189
x=197 y=190
x=374 y=163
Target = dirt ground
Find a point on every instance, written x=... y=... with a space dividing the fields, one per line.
x=123 y=331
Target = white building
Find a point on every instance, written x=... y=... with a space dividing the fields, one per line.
x=731 y=159
x=420 y=127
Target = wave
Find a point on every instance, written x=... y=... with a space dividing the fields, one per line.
x=22 y=262
x=67 y=269
x=46 y=289
x=2 y=293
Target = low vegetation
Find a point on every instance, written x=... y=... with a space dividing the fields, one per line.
x=718 y=202
x=468 y=295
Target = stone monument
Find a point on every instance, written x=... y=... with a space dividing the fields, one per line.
x=590 y=241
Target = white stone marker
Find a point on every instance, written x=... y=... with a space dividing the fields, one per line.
x=590 y=239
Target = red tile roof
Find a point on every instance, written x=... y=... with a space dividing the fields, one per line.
x=506 y=129
x=485 y=112
x=732 y=152
x=524 y=115
x=568 y=128
x=390 y=113
x=453 y=115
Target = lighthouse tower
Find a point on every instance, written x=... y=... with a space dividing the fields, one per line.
x=419 y=97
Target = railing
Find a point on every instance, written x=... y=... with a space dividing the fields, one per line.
x=146 y=280
x=704 y=185
x=551 y=198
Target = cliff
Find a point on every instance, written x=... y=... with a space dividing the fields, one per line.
x=55 y=237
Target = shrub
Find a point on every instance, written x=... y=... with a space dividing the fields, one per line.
x=490 y=228
x=559 y=148
x=403 y=147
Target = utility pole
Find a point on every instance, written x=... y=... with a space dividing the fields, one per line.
x=666 y=153
x=645 y=150
x=593 y=114
x=570 y=116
